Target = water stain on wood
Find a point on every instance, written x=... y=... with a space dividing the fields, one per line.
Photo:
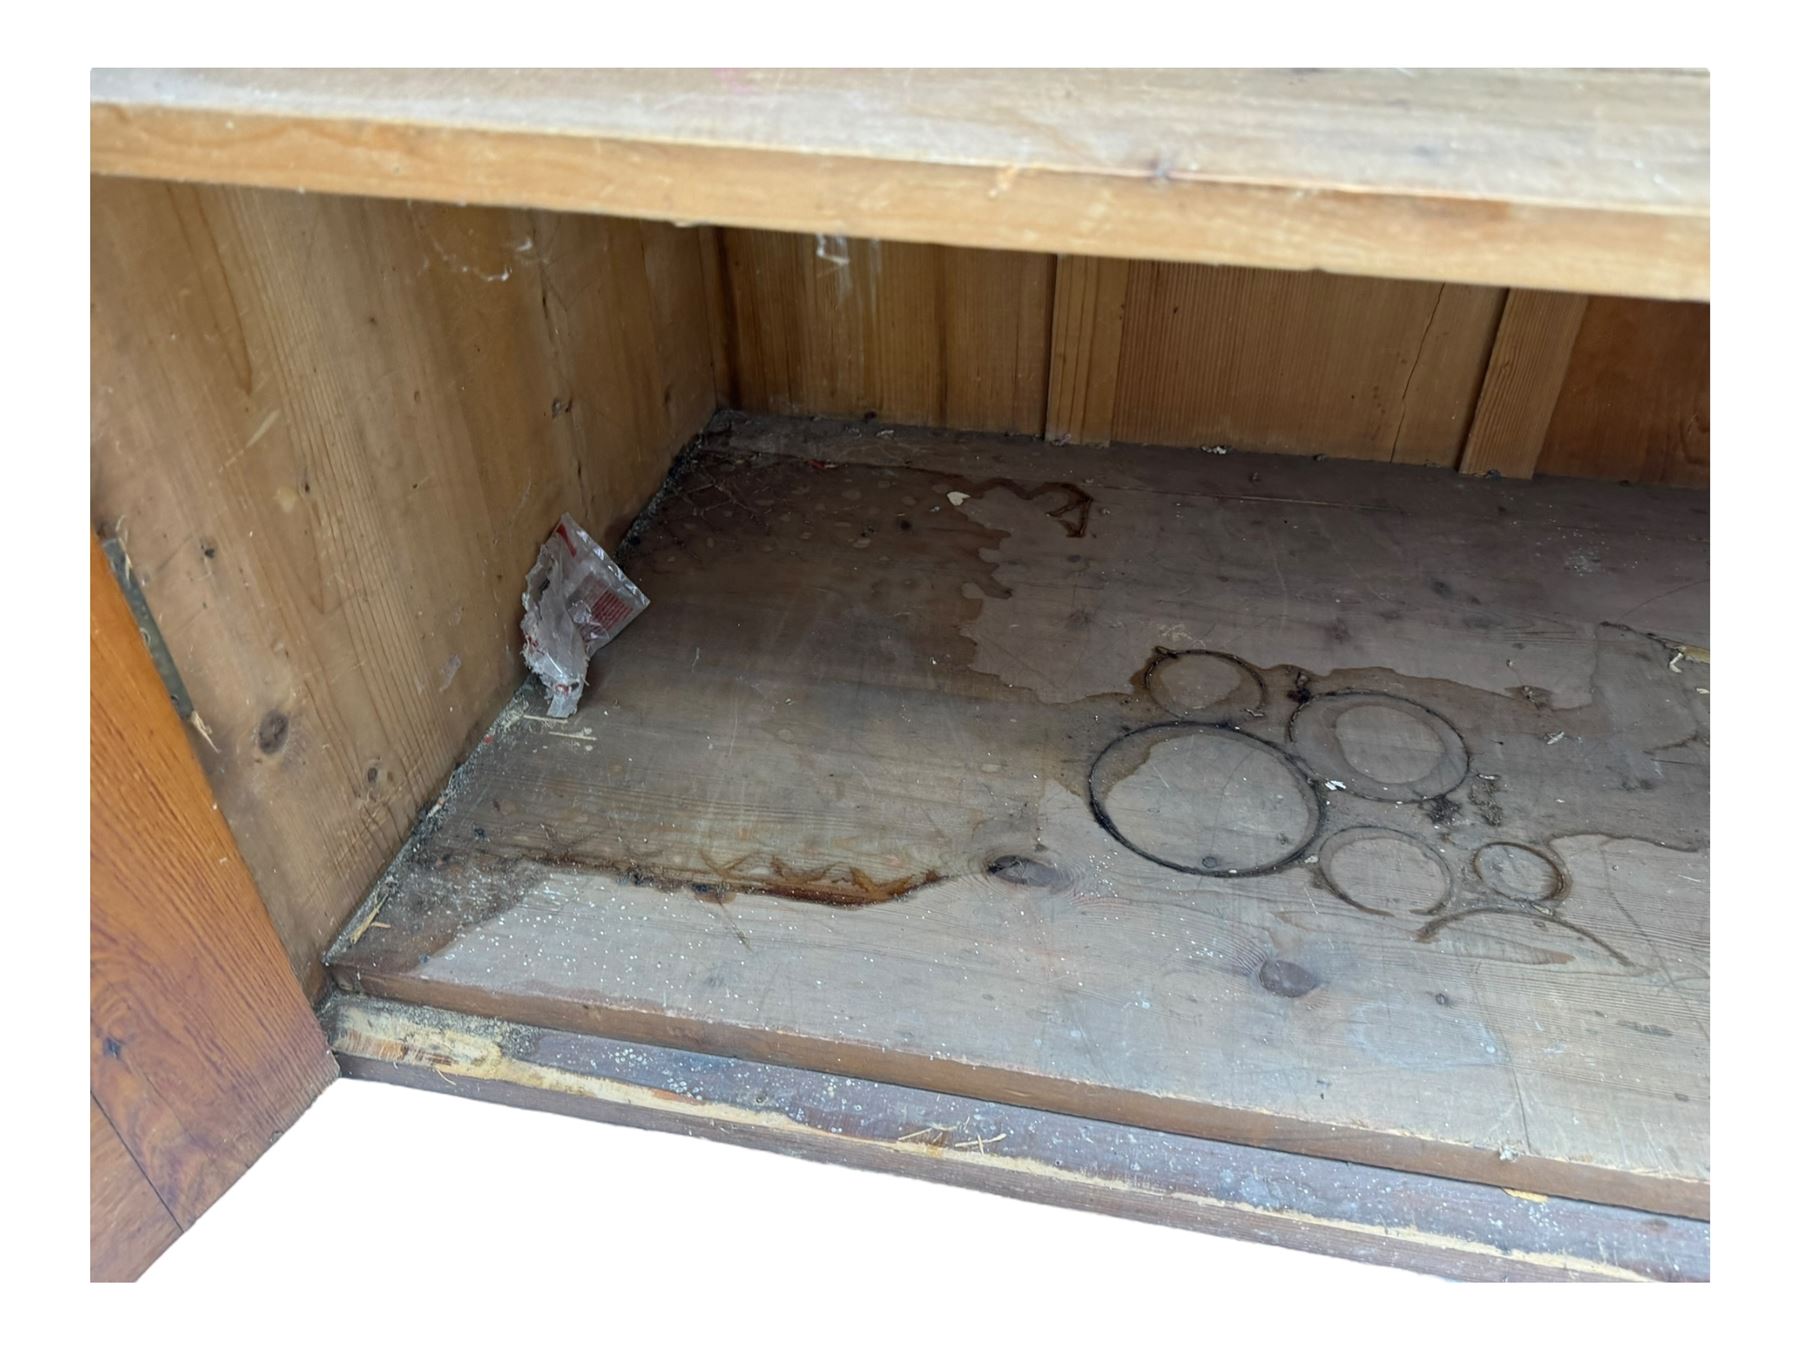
x=1269 y=771
x=1065 y=713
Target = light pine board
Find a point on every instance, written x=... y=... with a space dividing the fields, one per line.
x=1523 y=383
x=1195 y=355
x=1635 y=403
x=909 y=332
x=831 y=803
x=330 y=433
x=1575 y=180
x=1350 y=367
x=1088 y=326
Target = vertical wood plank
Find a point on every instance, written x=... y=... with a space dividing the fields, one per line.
x=996 y=317
x=1635 y=403
x=675 y=268
x=128 y=1224
x=1524 y=379
x=624 y=306
x=1299 y=363
x=1088 y=328
x=911 y=333
x=719 y=319
x=1438 y=401
x=203 y=1049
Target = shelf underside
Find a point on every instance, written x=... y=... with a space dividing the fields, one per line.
x=1578 y=180
x=1352 y=811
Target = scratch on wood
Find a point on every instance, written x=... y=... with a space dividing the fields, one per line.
x=263 y=428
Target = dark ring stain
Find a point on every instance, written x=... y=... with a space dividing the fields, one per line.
x=1301 y=703
x=1162 y=656
x=1436 y=926
x=1359 y=832
x=1558 y=893
x=1104 y=819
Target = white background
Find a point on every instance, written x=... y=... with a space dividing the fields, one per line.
x=532 y=1201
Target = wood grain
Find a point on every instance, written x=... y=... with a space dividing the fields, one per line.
x=1523 y=382
x=331 y=433
x=718 y=312
x=912 y=333
x=867 y=792
x=203 y=1048
x=1437 y=404
x=1086 y=332
x=1300 y=363
x=1446 y=1228
x=1578 y=180
x=128 y=1225
x=1635 y=403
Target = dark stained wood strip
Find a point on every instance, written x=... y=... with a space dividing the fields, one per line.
x=1449 y=1228
x=128 y=1224
x=203 y=1048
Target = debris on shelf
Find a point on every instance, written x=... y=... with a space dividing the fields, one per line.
x=576 y=601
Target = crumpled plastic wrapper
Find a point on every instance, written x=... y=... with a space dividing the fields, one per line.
x=576 y=601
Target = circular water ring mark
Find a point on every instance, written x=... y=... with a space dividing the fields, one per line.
x=1522 y=872
x=1181 y=683
x=1340 y=883
x=1434 y=763
x=1205 y=800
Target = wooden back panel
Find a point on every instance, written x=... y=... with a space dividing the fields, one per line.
x=1096 y=350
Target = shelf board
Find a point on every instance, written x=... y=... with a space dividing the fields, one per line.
x=1351 y=810
x=1448 y=1228
x=1593 y=181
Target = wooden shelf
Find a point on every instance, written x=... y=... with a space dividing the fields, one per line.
x=1357 y=811
x=1449 y=1228
x=1592 y=181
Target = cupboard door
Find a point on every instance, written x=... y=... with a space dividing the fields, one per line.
x=203 y=1048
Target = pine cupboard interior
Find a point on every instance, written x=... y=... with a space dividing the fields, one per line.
x=1230 y=728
